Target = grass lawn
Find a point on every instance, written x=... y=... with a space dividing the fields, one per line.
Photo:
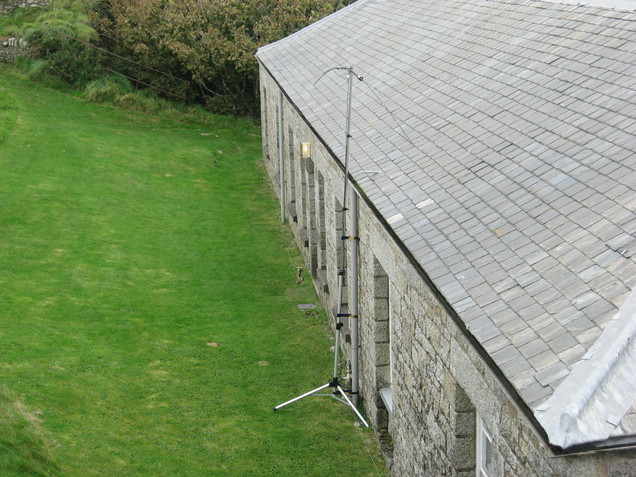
x=148 y=300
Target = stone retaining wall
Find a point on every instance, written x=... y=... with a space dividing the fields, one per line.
x=8 y=54
x=9 y=4
x=12 y=48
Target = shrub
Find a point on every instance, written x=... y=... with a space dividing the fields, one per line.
x=107 y=89
x=36 y=69
x=12 y=21
x=61 y=34
x=138 y=102
x=209 y=43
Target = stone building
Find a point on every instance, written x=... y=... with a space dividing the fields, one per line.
x=492 y=172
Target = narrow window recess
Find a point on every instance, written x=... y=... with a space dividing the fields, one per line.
x=387 y=393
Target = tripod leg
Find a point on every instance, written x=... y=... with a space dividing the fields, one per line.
x=302 y=396
x=352 y=406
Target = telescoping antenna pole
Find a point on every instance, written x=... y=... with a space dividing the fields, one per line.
x=335 y=381
x=342 y=269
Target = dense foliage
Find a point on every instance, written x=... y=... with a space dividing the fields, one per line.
x=60 y=35
x=199 y=50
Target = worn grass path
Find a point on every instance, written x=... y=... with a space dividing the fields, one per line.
x=148 y=299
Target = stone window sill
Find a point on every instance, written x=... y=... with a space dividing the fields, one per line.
x=387 y=397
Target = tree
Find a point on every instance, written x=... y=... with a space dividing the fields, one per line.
x=211 y=43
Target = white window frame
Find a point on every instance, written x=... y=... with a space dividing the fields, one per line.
x=485 y=450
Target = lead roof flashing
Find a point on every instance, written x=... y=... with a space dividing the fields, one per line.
x=592 y=403
x=628 y=5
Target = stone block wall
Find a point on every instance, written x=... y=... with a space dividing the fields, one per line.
x=8 y=4
x=8 y=54
x=441 y=387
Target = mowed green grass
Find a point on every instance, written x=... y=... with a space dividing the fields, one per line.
x=148 y=299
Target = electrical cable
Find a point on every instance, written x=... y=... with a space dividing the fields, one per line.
x=145 y=84
x=399 y=125
x=378 y=100
x=141 y=65
x=372 y=455
x=123 y=57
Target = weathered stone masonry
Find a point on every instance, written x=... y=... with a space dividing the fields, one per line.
x=440 y=383
x=9 y=54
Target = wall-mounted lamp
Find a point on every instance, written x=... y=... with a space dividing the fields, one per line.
x=305 y=149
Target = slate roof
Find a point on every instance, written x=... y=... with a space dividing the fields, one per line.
x=503 y=133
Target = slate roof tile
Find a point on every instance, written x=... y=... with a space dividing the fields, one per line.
x=552 y=373
x=572 y=354
x=533 y=348
x=543 y=360
x=506 y=354
x=562 y=343
x=536 y=393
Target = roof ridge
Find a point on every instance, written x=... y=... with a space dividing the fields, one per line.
x=629 y=5
x=329 y=17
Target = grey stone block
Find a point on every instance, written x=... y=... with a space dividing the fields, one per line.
x=462 y=453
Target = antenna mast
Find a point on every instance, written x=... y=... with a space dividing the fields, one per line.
x=352 y=314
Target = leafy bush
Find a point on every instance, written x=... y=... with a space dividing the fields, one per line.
x=210 y=43
x=61 y=34
x=199 y=50
x=37 y=69
x=75 y=63
x=139 y=102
